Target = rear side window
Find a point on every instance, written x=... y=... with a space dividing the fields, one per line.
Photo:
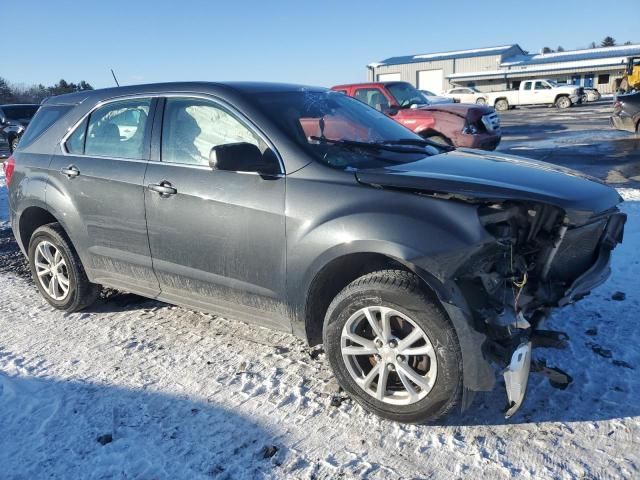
x=117 y=129
x=43 y=119
x=372 y=97
x=75 y=142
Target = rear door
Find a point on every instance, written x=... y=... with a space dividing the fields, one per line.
x=217 y=237
x=98 y=178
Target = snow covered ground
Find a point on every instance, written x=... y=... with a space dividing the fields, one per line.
x=134 y=388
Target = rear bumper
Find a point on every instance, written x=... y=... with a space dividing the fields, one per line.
x=622 y=122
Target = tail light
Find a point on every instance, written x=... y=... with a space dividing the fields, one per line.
x=9 y=166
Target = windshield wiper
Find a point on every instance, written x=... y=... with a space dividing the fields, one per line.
x=419 y=141
x=390 y=147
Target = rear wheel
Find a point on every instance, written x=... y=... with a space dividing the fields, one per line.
x=563 y=102
x=439 y=139
x=481 y=101
x=392 y=348
x=502 y=105
x=14 y=144
x=57 y=270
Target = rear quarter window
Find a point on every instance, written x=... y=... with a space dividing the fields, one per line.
x=43 y=119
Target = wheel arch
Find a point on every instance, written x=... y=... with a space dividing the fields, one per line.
x=338 y=272
x=32 y=218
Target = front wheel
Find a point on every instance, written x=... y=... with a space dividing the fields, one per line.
x=393 y=349
x=563 y=102
x=57 y=270
x=13 y=145
x=502 y=105
x=439 y=139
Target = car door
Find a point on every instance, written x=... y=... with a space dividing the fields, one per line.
x=527 y=94
x=466 y=96
x=217 y=237
x=543 y=92
x=99 y=177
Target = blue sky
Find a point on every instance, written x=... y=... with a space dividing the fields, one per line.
x=319 y=43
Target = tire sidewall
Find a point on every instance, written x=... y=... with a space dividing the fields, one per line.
x=499 y=105
x=72 y=298
x=563 y=102
x=430 y=319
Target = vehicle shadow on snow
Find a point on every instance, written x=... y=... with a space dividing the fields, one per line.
x=68 y=429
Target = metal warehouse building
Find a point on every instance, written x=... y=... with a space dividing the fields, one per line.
x=499 y=68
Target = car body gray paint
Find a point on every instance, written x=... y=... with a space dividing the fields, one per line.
x=326 y=214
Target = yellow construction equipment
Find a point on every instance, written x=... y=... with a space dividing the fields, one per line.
x=631 y=79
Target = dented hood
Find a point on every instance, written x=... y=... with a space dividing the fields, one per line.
x=473 y=175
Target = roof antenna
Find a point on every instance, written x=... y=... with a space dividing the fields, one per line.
x=114 y=77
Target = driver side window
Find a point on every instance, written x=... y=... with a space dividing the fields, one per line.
x=192 y=127
x=372 y=97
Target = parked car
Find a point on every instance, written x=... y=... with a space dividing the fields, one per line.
x=4 y=146
x=467 y=95
x=472 y=126
x=14 y=119
x=419 y=268
x=536 y=92
x=626 y=112
x=433 y=99
x=590 y=95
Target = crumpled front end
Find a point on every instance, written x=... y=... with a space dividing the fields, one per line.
x=539 y=260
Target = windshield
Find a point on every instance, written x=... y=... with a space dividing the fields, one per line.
x=20 y=112
x=341 y=131
x=406 y=94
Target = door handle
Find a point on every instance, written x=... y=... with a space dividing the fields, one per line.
x=164 y=188
x=71 y=171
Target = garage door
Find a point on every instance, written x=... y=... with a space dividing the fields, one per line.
x=430 y=80
x=389 y=77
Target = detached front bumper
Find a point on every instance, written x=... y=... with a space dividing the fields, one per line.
x=516 y=378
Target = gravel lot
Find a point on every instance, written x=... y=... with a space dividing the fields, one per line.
x=579 y=138
x=134 y=388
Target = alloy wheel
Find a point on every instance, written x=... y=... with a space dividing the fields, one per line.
x=52 y=270
x=388 y=355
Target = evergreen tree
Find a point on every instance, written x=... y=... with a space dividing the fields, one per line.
x=608 y=42
x=559 y=49
x=546 y=50
x=6 y=94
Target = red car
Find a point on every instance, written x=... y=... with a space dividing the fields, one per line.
x=460 y=125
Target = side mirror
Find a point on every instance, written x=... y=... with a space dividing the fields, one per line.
x=243 y=157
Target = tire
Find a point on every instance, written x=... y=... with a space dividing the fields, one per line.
x=501 y=105
x=440 y=139
x=80 y=292
x=410 y=309
x=563 y=102
x=481 y=101
x=13 y=144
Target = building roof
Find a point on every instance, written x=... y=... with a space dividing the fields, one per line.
x=588 y=54
x=430 y=57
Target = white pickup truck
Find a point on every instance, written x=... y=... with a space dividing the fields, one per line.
x=536 y=92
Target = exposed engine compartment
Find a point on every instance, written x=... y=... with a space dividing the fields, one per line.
x=536 y=258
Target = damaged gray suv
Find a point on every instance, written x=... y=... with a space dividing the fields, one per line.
x=425 y=272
